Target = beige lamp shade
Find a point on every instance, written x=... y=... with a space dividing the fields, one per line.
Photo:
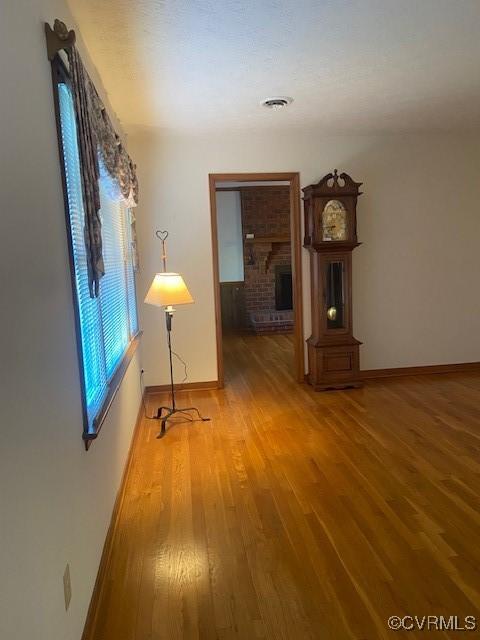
x=168 y=289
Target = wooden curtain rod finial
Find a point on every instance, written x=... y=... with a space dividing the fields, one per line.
x=58 y=38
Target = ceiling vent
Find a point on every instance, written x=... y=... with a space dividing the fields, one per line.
x=277 y=102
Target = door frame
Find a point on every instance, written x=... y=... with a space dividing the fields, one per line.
x=293 y=179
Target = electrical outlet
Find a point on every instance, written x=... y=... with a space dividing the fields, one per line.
x=67 y=587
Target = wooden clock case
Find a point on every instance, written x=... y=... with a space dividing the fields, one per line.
x=333 y=352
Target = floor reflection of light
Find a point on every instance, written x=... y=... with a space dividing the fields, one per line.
x=181 y=562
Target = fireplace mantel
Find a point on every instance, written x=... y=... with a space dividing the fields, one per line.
x=266 y=247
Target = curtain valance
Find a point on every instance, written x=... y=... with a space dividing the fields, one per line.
x=116 y=160
x=97 y=138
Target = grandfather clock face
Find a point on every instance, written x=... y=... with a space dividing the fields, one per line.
x=334 y=221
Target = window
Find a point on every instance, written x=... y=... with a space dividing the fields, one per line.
x=107 y=324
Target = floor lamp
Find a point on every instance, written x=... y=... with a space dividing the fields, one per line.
x=167 y=290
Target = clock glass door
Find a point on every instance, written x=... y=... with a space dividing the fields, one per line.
x=335 y=294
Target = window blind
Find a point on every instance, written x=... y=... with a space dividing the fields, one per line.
x=113 y=285
x=107 y=323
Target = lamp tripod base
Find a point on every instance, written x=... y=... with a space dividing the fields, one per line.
x=170 y=411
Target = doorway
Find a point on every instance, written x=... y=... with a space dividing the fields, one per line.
x=257 y=271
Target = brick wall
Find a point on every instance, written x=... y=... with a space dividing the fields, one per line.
x=265 y=212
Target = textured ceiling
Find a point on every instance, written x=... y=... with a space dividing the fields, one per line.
x=351 y=65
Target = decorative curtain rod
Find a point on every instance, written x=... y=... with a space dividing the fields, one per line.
x=58 y=38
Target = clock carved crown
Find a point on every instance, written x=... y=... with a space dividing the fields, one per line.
x=330 y=212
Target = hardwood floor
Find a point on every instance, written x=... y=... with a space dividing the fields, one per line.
x=299 y=515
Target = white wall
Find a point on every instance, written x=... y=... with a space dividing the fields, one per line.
x=230 y=236
x=416 y=292
x=55 y=499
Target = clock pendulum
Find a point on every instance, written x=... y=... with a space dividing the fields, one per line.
x=332 y=310
x=331 y=313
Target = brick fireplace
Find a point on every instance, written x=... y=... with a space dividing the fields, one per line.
x=267 y=257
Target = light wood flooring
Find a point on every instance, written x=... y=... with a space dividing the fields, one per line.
x=299 y=515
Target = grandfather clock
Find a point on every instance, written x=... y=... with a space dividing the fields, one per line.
x=330 y=236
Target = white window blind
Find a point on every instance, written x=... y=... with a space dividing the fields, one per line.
x=109 y=322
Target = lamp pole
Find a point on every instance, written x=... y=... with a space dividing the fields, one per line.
x=168 y=317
